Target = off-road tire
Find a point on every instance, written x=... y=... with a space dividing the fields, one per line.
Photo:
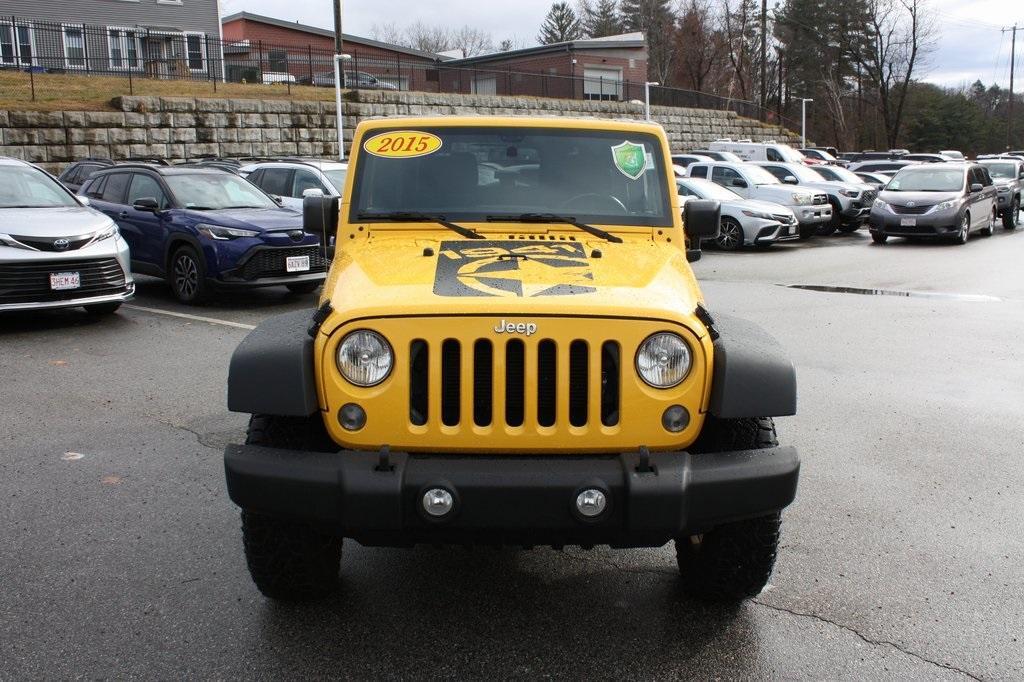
x=186 y=274
x=290 y=560
x=302 y=287
x=99 y=309
x=1011 y=215
x=879 y=237
x=849 y=228
x=733 y=561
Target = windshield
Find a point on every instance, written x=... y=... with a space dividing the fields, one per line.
x=804 y=174
x=480 y=173
x=789 y=154
x=927 y=180
x=840 y=174
x=1001 y=170
x=212 y=191
x=709 y=190
x=759 y=176
x=337 y=178
x=25 y=187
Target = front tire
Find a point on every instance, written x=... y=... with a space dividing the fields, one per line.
x=187 y=276
x=290 y=560
x=732 y=561
x=992 y=219
x=879 y=237
x=1011 y=216
x=965 y=230
x=730 y=235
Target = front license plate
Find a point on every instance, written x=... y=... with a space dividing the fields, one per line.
x=908 y=222
x=296 y=263
x=792 y=229
x=59 y=281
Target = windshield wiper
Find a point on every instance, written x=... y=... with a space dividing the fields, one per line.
x=416 y=217
x=555 y=218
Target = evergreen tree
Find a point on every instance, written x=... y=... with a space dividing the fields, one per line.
x=600 y=18
x=560 y=25
x=656 y=20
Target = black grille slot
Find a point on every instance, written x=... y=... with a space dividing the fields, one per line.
x=515 y=375
x=451 y=381
x=483 y=382
x=579 y=373
x=29 y=281
x=547 y=382
x=47 y=243
x=610 y=380
x=270 y=262
x=910 y=210
x=419 y=366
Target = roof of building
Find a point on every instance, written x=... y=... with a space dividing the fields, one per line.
x=327 y=33
x=623 y=40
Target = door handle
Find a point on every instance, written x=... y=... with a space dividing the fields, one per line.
x=122 y=215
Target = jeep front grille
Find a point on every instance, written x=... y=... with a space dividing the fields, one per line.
x=497 y=384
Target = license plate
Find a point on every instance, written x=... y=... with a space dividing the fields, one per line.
x=59 y=281
x=908 y=222
x=296 y=263
x=792 y=229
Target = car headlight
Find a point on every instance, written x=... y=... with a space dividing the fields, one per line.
x=946 y=205
x=224 y=233
x=852 y=193
x=365 y=358
x=106 y=233
x=802 y=199
x=879 y=204
x=756 y=214
x=663 y=360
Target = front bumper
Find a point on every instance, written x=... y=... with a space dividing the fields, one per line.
x=932 y=224
x=512 y=499
x=813 y=215
x=771 y=231
x=264 y=266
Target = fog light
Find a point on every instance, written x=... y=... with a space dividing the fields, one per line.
x=437 y=502
x=675 y=419
x=591 y=503
x=351 y=417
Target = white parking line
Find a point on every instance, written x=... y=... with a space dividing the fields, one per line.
x=186 y=316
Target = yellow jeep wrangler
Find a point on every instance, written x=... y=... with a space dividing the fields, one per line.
x=511 y=348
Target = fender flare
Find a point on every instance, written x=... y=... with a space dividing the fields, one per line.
x=752 y=376
x=272 y=372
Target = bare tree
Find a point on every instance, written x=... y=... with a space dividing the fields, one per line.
x=472 y=41
x=739 y=26
x=388 y=33
x=428 y=38
x=698 y=45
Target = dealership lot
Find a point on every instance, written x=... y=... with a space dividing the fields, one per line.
x=901 y=556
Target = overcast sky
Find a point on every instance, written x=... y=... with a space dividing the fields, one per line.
x=970 y=45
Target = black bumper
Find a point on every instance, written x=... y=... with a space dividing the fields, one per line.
x=512 y=499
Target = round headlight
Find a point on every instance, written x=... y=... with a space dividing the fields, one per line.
x=365 y=358
x=663 y=360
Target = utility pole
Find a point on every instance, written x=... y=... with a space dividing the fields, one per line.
x=338 y=76
x=764 y=57
x=803 y=121
x=1009 y=113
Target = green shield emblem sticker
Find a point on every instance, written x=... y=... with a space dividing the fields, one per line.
x=630 y=159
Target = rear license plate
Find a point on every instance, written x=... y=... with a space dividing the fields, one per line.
x=59 y=281
x=296 y=263
x=908 y=222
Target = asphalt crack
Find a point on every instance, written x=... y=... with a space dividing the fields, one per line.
x=198 y=436
x=868 y=640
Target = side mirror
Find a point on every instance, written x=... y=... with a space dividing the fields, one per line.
x=702 y=219
x=312 y=192
x=1021 y=175
x=84 y=201
x=738 y=182
x=320 y=216
x=148 y=204
x=790 y=180
x=976 y=187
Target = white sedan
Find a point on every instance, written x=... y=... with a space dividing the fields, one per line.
x=745 y=222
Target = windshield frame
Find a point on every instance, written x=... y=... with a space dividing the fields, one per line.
x=61 y=190
x=929 y=168
x=178 y=203
x=481 y=215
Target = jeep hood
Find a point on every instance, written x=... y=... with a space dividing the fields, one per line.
x=382 y=276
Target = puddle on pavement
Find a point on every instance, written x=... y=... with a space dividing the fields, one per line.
x=974 y=298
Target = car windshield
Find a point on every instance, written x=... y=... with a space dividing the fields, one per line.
x=789 y=154
x=759 y=176
x=212 y=191
x=803 y=173
x=478 y=173
x=710 y=190
x=825 y=155
x=337 y=178
x=840 y=174
x=1002 y=170
x=26 y=187
x=927 y=180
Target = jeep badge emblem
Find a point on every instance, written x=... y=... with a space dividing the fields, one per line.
x=528 y=328
x=61 y=244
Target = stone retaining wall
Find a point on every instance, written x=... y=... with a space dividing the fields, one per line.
x=183 y=128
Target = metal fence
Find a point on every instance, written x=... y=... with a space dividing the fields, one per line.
x=124 y=56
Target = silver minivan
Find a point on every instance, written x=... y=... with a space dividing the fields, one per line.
x=55 y=251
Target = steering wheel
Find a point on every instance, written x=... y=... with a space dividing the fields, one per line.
x=608 y=199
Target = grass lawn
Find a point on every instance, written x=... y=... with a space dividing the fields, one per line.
x=80 y=92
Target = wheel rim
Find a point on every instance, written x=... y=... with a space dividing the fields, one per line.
x=729 y=237
x=186 y=276
x=1015 y=214
x=965 y=228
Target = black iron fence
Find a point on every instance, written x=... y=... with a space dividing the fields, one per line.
x=134 y=57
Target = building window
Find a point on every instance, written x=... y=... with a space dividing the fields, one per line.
x=16 y=42
x=278 y=60
x=602 y=83
x=74 y=47
x=196 y=51
x=125 y=48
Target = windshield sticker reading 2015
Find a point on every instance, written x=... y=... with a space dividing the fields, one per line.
x=403 y=144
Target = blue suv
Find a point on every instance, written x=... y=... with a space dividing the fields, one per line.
x=202 y=229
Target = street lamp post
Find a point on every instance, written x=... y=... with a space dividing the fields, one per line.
x=339 y=116
x=647 y=98
x=803 y=121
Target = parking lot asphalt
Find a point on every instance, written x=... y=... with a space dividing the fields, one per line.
x=901 y=558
